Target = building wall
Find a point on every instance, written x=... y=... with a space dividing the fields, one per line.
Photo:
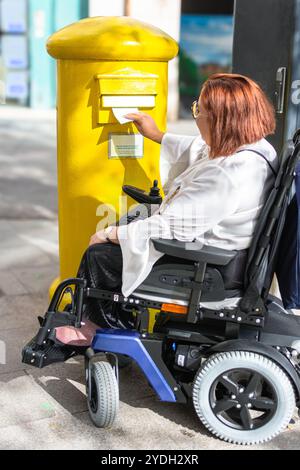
x=14 y=61
x=42 y=67
x=25 y=67
x=107 y=8
x=47 y=16
x=164 y=14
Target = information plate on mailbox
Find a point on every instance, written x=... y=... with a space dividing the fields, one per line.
x=125 y=146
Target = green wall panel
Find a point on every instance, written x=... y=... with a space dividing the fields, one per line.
x=46 y=17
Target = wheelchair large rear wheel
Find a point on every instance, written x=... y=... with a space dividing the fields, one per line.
x=103 y=399
x=243 y=397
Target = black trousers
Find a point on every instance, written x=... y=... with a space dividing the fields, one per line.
x=101 y=266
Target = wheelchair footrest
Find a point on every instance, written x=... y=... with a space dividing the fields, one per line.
x=42 y=356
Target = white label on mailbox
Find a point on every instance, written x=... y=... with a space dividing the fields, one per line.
x=126 y=146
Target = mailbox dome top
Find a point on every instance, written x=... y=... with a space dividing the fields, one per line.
x=112 y=38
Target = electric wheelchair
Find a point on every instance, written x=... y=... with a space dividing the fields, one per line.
x=234 y=353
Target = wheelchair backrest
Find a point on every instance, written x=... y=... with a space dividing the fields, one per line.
x=264 y=247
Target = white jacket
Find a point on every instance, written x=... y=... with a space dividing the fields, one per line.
x=215 y=201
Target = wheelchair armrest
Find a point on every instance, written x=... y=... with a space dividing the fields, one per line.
x=139 y=195
x=194 y=251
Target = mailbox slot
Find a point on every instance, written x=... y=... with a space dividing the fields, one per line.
x=120 y=101
x=125 y=89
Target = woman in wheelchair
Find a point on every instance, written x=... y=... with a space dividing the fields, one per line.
x=215 y=185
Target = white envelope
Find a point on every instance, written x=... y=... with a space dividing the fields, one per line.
x=119 y=114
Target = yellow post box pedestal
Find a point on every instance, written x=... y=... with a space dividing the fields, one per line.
x=104 y=63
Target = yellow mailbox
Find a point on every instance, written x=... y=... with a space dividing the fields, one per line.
x=104 y=64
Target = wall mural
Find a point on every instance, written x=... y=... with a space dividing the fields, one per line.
x=205 y=48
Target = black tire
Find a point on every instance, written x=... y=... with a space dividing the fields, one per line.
x=243 y=397
x=104 y=403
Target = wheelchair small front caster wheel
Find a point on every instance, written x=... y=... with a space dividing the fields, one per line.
x=103 y=398
x=243 y=397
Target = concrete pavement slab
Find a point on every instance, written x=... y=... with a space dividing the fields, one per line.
x=41 y=236
x=69 y=432
x=14 y=340
x=148 y=431
x=28 y=243
x=10 y=284
x=19 y=311
x=36 y=279
x=66 y=384
x=22 y=256
x=22 y=400
x=40 y=233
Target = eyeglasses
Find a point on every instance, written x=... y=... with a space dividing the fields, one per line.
x=195 y=110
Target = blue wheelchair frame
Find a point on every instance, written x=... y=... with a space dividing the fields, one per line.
x=132 y=344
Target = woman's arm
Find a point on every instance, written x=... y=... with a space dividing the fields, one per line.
x=176 y=146
x=178 y=152
x=108 y=235
x=146 y=126
x=210 y=198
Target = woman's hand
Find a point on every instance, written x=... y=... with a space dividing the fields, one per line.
x=146 y=126
x=98 y=237
x=105 y=236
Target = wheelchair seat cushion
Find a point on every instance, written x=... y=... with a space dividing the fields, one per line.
x=232 y=273
x=171 y=280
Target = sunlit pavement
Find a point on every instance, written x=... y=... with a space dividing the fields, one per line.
x=46 y=409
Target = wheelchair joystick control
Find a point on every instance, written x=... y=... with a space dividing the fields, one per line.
x=155 y=191
x=141 y=196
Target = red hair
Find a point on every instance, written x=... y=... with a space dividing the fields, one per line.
x=238 y=111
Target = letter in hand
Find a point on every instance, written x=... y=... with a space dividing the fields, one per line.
x=146 y=126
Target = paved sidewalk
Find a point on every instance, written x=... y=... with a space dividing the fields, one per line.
x=46 y=409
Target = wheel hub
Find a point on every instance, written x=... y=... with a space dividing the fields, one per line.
x=243 y=399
